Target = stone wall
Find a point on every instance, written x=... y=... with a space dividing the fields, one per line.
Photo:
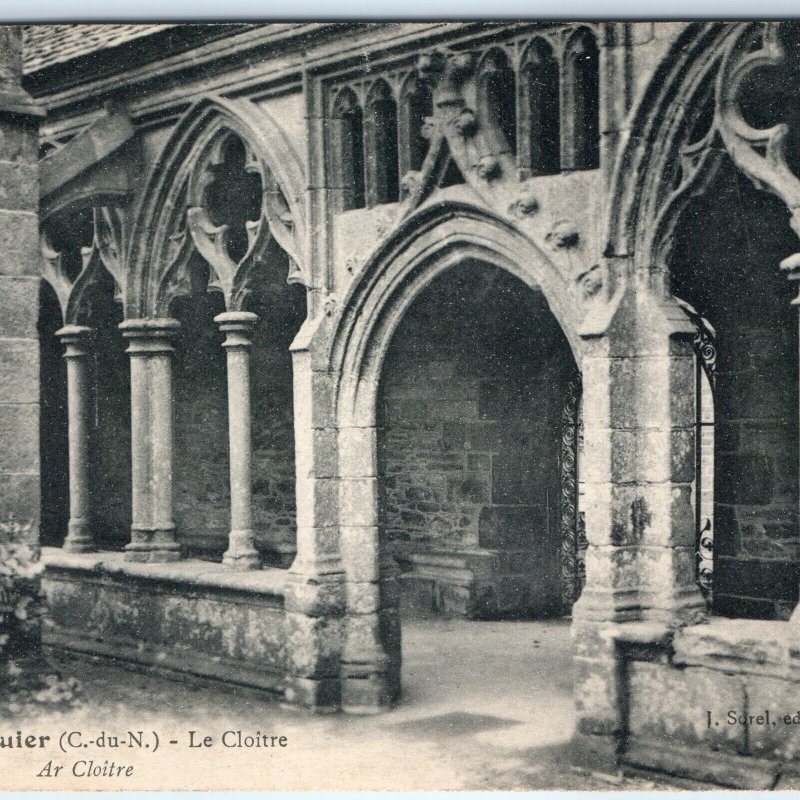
x=190 y=617
x=714 y=703
x=471 y=405
x=733 y=279
x=19 y=281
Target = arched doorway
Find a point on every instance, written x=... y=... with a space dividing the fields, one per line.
x=748 y=491
x=476 y=476
x=463 y=247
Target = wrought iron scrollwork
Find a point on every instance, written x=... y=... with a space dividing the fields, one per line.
x=706 y=348
x=573 y=537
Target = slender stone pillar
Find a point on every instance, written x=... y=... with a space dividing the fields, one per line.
x=77 y=352
x=238 y=325
x=152 y=529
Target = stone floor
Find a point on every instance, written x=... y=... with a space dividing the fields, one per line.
x=487 y=705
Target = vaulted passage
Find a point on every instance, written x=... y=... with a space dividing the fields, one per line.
x=471 y=432
x=732 y=280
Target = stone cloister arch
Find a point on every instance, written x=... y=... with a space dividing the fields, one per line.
x=341 y=572
x=176 y=231
x=640 y=373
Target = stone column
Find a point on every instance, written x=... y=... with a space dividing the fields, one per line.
x=153 y=529
x=371 y=655
x=639 y=455
x=238 y=325
x=77 y=344
x=314 y=598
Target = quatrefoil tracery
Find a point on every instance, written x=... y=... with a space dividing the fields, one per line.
x=235 y=210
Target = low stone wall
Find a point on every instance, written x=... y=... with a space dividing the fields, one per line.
x=479 y=583
x=716 y=703
x=193 y=617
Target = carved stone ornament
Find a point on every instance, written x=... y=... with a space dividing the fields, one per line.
x=488 y=168
x=526 y=205
x=591 y=282
x=563 y=236
x=104 y=251
x=329 y=305
x=226 y=216
x=466 y=123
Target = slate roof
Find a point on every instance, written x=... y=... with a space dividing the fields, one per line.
x=45 y=45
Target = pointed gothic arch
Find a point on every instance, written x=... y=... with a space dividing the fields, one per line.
x=159 y=238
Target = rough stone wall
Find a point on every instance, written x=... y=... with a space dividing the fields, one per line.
x=19 y=283
x=732 y=278
x=471 y=413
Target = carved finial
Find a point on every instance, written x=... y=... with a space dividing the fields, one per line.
x=409 y=183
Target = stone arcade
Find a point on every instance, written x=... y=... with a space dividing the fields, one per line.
x=494 y=319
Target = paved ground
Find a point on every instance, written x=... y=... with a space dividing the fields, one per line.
x=487 y=705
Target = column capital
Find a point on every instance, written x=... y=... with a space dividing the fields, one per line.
x=238 y=326
x=76 y=340
x=150 y=335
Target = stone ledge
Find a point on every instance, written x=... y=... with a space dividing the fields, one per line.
x=191 y=572
x=704 y=766
x=743 y=646
x=171 y=665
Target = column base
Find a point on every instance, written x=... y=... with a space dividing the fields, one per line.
x=155 y=546
x=241 y=554
x=318 y=695
x=79 y=537
x=367 y=694
x=138 y=549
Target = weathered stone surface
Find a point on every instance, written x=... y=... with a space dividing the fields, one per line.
x=19 y=242
x=673 y=705
x=741 y=645
x=19 y=300
x=19 y=432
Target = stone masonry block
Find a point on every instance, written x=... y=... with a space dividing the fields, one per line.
x=363 y=598
x=597 y=695
x=19 y=433
x=358 y=453
x=313 y=645
x=19 y=186
x=19 y=140
x=19 y=371
x=19 y=500
x=19 y=243
x=358 y=501
x=360 y=549
x=19 y=305
x=674 y=705
x=317 y=502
